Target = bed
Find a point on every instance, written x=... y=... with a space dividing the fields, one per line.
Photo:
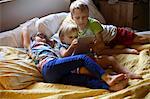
x=20 y=79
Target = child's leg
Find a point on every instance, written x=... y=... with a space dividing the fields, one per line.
x=84 y=80
x=56 y=69
x=92 y=66
x=113 y=79
x=140 y=39
x=91 y=82
x=107 y=61
x=128 y=38
x=25 y=38
x=121 y=85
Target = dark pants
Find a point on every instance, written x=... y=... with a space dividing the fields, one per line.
x=59 y=71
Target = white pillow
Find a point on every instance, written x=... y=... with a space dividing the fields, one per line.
x=50 y=24
x=13 y=38
x=30 y=28
x=31 y=25
x=7 y=39
x=93 y=11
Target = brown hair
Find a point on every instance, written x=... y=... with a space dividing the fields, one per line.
x=38 y=34
x=33 y=37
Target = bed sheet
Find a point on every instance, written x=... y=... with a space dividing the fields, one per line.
x=20 y=79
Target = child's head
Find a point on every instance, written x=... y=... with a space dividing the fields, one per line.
x=79 y=13
x=39 y=37
x=68 y=32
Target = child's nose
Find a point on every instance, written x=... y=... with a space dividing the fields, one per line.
x=81 y=19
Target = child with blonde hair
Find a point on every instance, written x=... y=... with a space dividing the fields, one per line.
x=56 y=69
x=68 y=35
x=79 y=14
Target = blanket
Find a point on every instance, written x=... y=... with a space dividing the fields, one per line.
x=20 y=79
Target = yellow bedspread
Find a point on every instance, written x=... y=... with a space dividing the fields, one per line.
x=19 y=79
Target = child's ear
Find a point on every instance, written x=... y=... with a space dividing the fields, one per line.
x=71 y=16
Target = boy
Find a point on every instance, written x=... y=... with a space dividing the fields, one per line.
x=68 y=35
x=58 y=70
x=88 y=26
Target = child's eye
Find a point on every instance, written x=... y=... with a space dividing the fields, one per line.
x=84 y=17
x=71 y=37
x=77 y=18
x=76 y=36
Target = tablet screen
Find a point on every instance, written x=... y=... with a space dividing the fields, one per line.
x=84 y=44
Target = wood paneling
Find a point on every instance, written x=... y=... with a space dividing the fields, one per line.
x=130 y=14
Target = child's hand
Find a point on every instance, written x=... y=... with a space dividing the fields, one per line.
x=51 y=43
x=74 y=43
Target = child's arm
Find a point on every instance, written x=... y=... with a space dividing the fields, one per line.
x=99 y=44
x=68 y=52
x=26 y=41
x=100 y=41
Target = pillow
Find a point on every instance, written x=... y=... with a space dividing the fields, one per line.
x=50 y=24
x=7 y=39
x=93 y=11
x=13 y=38
x=31 y=28
x=30 y=24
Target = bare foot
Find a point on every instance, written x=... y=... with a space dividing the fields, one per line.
x=134 y=76
x=131 y=51
x=113 y=79
x=119 y=86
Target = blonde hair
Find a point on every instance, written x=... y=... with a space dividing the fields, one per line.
x=67 y=28
x=78 y=5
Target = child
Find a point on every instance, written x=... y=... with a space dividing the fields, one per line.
x=122 y=36
x=68 y=34
x=89 y=26
x=58 y=70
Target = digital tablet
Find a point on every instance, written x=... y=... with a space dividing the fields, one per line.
x=84 y=44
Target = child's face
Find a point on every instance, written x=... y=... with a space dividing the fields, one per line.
x=70 y=37
x=80 y=18
x=40 y=38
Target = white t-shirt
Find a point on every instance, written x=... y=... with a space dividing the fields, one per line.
x=109 y=32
